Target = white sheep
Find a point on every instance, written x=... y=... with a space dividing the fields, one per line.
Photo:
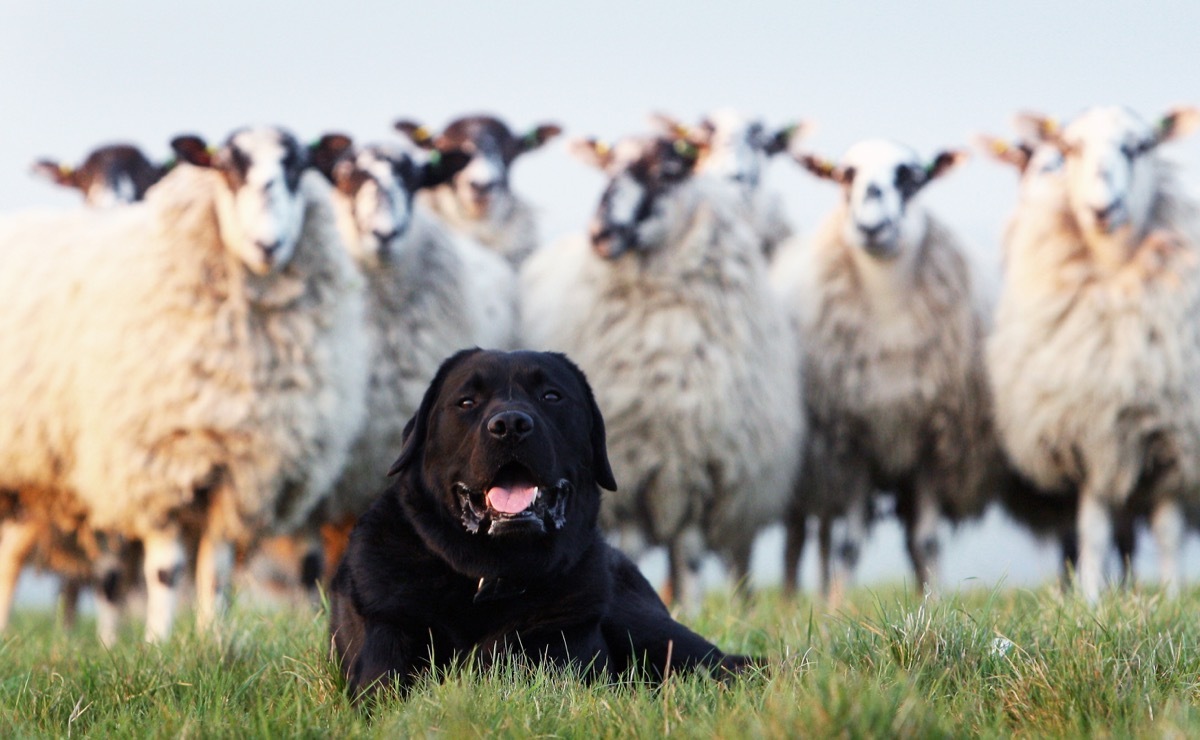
x=891 y=328
x=1095 y=354
x=203 y=349
x=737 y=147
x=1040 y=167
x=421 y=294
x=478 y=201
x=667 y=309
x=109 y=175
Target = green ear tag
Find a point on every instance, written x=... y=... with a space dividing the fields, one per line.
x=685 y=149
x=435 y=157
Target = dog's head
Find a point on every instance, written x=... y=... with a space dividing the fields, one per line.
x=503 y=460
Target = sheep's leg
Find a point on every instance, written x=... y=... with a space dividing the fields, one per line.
x=685 y=557
x=16 y=542
x=1095 y=528
x=1068 y=542
x=795 y=534
x=112 y=578
x=1125 y=539
x=214 y=566
x=921 y=535
x=1167 y=526
x=825 y=553
x=163 y=568
x=848 y=535
x=68 y=596
x=739 y=567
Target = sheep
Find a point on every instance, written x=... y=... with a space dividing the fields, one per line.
x=666 y=307
x=737 y=147
x=478 y=201
x=1040 y=168
x=883 y=301
x=422 y=295
x=1095 y=354
x=110 y=175
x=202 y=351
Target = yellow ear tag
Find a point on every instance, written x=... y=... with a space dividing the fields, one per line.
x=64 y=170
x=1050 y=125
x=601 y=148
x=1000 y=147
x=421 y=135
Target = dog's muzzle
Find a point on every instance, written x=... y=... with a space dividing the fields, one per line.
x=506 y=510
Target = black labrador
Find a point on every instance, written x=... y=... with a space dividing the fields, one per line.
x=487 y=541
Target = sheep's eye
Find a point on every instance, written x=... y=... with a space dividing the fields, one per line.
x=1129 y=151
x=552 y=396
x=466 y=404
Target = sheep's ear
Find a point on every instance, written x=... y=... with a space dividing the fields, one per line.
x=192 y=149
x=945 y=161
x=824 y=169
x=1016 y=155
x=539 y=135
x=416 y=133
x=55 y=172
x=441 y=167
x=592 y=152
x=1177 y=123
x=782 y=140
x=1037 y=127
x=670 y=126
x=324 y=153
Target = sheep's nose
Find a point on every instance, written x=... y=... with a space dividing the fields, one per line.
x=481 y=189
x=510 y=426
x=873 y=230
x=1109 y=216
x=268 y=248
x=385 y=237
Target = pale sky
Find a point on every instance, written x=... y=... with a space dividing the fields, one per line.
x=932 y=75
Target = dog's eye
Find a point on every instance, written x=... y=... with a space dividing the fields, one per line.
x=552 y=396
x=466 y=403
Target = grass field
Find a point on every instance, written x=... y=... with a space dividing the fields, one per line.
x=990 y=664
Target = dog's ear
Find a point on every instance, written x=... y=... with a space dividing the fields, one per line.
x=601 y=468
x=416 y=428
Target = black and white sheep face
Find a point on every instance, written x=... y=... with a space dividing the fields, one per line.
x=880 y=179
x=732 y=146
x=379 y=183
x=111 y=175
x=261 y=212
x=481 y=188
x=635 y=209
x=1110 y=168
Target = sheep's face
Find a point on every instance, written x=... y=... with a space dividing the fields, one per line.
x=261 y=213
x=732 y=146
x=481 y=188
x=1111 y=169
x=111 y=175
x=880 y=180
x=634 y=213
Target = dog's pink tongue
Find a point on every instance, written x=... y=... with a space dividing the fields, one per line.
x=512 y=500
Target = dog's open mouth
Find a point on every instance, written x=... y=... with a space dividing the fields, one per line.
x=513 y=503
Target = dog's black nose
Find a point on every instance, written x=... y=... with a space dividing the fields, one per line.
x=510 y=426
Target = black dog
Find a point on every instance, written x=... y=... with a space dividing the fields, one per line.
x=487 y=541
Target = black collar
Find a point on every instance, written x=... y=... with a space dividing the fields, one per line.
x=494 y=589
